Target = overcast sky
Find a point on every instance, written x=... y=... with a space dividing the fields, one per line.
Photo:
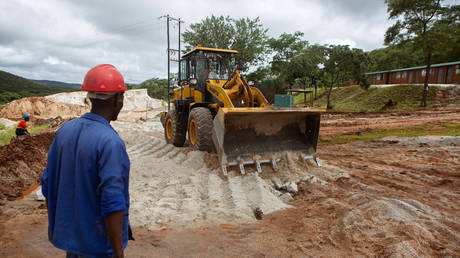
x=62 y=39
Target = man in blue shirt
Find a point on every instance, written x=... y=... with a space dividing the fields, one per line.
x=86 y=178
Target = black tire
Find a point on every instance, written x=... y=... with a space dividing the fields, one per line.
x=178 y=130
x=203 y=125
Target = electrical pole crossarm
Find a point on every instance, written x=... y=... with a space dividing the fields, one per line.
x=173 y=52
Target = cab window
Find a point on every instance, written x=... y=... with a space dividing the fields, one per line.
x=183 y=70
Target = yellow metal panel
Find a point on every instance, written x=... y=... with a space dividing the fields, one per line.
x=198 y=96
x=209 y=49
x=187 y=91
x=220 y=94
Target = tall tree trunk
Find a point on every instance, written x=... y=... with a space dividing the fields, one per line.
x=329 y=95
x=316 y=88
x=427 y=77
x=304 y=93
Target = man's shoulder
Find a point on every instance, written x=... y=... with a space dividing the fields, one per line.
x=92 y=127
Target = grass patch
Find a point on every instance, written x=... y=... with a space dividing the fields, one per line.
x=438 y=128
x=6 y=136
x=356 y=99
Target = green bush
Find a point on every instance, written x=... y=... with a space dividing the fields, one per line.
x=156 y=88
x=6 y=136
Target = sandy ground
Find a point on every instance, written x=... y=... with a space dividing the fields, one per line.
x=340 y=123
x=395 y=197
x=401 y=200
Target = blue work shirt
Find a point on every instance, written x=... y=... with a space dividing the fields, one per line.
x=86 y=178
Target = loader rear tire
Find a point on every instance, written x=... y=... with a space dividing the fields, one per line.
x=200 y=129
x=174 y=130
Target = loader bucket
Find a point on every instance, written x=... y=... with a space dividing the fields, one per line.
x=245 y=136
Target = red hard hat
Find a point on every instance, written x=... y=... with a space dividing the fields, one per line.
x=103 y=78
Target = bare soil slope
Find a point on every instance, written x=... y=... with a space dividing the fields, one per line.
x=22 y=163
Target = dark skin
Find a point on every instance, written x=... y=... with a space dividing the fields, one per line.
x=109 y=109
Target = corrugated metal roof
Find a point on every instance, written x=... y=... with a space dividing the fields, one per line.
x=415 y=67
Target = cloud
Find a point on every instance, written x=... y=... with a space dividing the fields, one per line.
x=62 y=39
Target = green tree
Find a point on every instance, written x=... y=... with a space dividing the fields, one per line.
x=306 y=66
x=284 y=49
x=295 y=61
x=262 y=73
x=424 y=23
x=246 y=35
x=343 y=65
x=156 y=88
x=395 y=57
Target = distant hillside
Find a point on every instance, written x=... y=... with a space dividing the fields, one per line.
x=15 y=87
x=75 y=86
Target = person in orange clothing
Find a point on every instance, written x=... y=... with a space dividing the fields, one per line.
x=21 y=129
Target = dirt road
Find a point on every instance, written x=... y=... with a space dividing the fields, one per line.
x=402 y=199
x=341 y=123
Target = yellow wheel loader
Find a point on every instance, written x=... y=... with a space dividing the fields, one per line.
x=219 y=111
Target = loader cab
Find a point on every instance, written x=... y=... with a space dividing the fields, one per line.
x=201 y=64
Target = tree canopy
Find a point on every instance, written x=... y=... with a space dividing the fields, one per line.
x=156 y=88
x=344 y=65
x=426 y=24
x=246 y=35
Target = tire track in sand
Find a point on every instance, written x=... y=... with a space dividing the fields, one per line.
x=172 y=186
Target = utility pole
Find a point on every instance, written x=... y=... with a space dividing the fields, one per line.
x=174 y=52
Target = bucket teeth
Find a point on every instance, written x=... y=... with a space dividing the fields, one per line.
x=224 y=170
x=242 y=167
x=307 y=157
x=259 y=169
x=318 y=162
x=274 y=165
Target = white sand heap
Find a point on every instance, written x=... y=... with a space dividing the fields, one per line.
x=135 y=100
x=75 y=98
x=173 y=186
x=138 y=100
x=74 y=104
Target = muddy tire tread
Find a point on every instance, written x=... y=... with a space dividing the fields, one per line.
x=204 y=120
x=178 y=130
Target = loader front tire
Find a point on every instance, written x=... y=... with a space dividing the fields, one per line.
x=200 y=129
x=174 y=130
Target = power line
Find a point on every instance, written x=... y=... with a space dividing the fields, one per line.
x=139 y=28
x=169 y=50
